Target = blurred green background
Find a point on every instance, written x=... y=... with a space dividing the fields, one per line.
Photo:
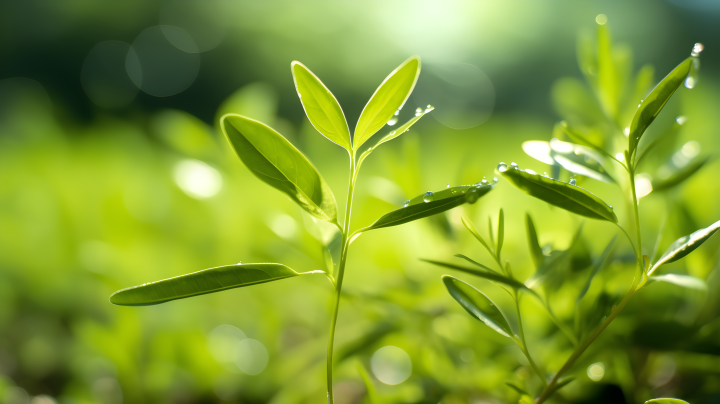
x=113 y=173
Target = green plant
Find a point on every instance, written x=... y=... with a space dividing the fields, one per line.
x=608 y=150
x=278 y=163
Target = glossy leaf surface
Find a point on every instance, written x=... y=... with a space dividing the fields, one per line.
x=202 y=282
x=685 y=281
x=666 y=401
x=563 y=195
x=651 y=106
x=489 y=275
x=685 y=245
x=392 y=135
x=478 y=305
x=431 y=203
x=278 y=163
x=321 y=107
x=388 y=98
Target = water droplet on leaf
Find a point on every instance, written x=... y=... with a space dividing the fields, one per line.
x=418 y=111
x=392 y=121
x=502 y=167
x=573 y=181
x=514 y=165
x=428 y=197
x=405 y=205
x=697 y=49
x=681 y=120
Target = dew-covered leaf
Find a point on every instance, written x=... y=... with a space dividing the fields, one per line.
x=432 y=203
x=388 y=98
x=321 y=107
x=563 y=195
x=202 y=282
x=478 y=305
x=680 y=175
x=485 y=274
x=393 y=134
x=651 y=106
x=685 y=281
x=535 y=250
x=278 y=163
x=685 y=245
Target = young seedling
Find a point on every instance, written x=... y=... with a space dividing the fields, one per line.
x=583 y=156
x=274 y=160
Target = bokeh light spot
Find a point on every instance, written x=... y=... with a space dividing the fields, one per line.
x=643 y=185
x=596 y=371
x=197 y=179
x=251 y=356
x=207 y=22
x=104 y=76
x=462 y=94
x=283 y=225
x=391 y=365
x=601 y=19
x=222 y=342
x=157 y=66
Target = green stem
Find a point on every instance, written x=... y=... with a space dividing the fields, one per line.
x=639 y=268
x=341 y=275
x=524 y=347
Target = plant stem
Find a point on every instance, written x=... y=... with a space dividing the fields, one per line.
x=339 y=281
x=524 y=344
x=639 y=269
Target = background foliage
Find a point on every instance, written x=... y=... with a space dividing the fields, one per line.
x=103 y=186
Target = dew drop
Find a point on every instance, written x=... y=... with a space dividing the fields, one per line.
x=418 y=111
x=429 y=108
x=502 y=167
x=484 y=181
x=448 y=186
x=397 y=112
x=573 y=181
x=514 y=165
x=690 y=81
x=681 y=120
x=405 y=205
x=611 y=208
x=697 y=49
x=529 y=171
x=495 y=179
x=428 y=197
x=392 y=121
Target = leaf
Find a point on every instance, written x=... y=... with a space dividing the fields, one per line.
x=321 y=107
x=388 y=98
x=685 y=245
x=438 y=202
x=562 y=383
x=478 y=305
x=651 y=106
x=491 y=276
x=680 y=175
x=369 y=386
x=535 y=250
x=202 y=282
x=392 y=135
x=472 y=261
x=501 y=231
x=277 y=162
x=666 y=401
x=581 y=160
x=685 y=281
x=563 y=195
x=517 y=388
x=596 y=268
x=471 y=228
x=608 y=81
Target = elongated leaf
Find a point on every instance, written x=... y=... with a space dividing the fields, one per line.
x=666 y=401
x=491 y=276
x=472 y=261
x=596 y=268
x=685 y=281
x=517 y=388
x=388 y=98
x=202 y=282
x=685 y=245
x=558 y=193
x=277 y=162
x=431 y=203
x=581 y=160
x=535 y=250
x=478 y=305
x=501 y=231
x=471 y=228
x=651 y=106
x=393 y=134
x=321 y=107
x=679 y=176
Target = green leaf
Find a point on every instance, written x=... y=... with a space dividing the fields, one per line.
x=685 y=281
x=517 y=388
x=535 y=250
x=277 y=162
x=393 y=134
x=563 y=195
x=685 y=245
x=321 y=107
x=501 y=231
x=431 y=203
x=596 y=268
x=388 y=98
x=478 y=305
x=491 y=276
x=666 y=401
x=202 y=282
x=560 y=384
x=472 y=261
x=581 y=160
x=679 y=176
x=471 y=228
x=608 y=81
x=651 y=106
